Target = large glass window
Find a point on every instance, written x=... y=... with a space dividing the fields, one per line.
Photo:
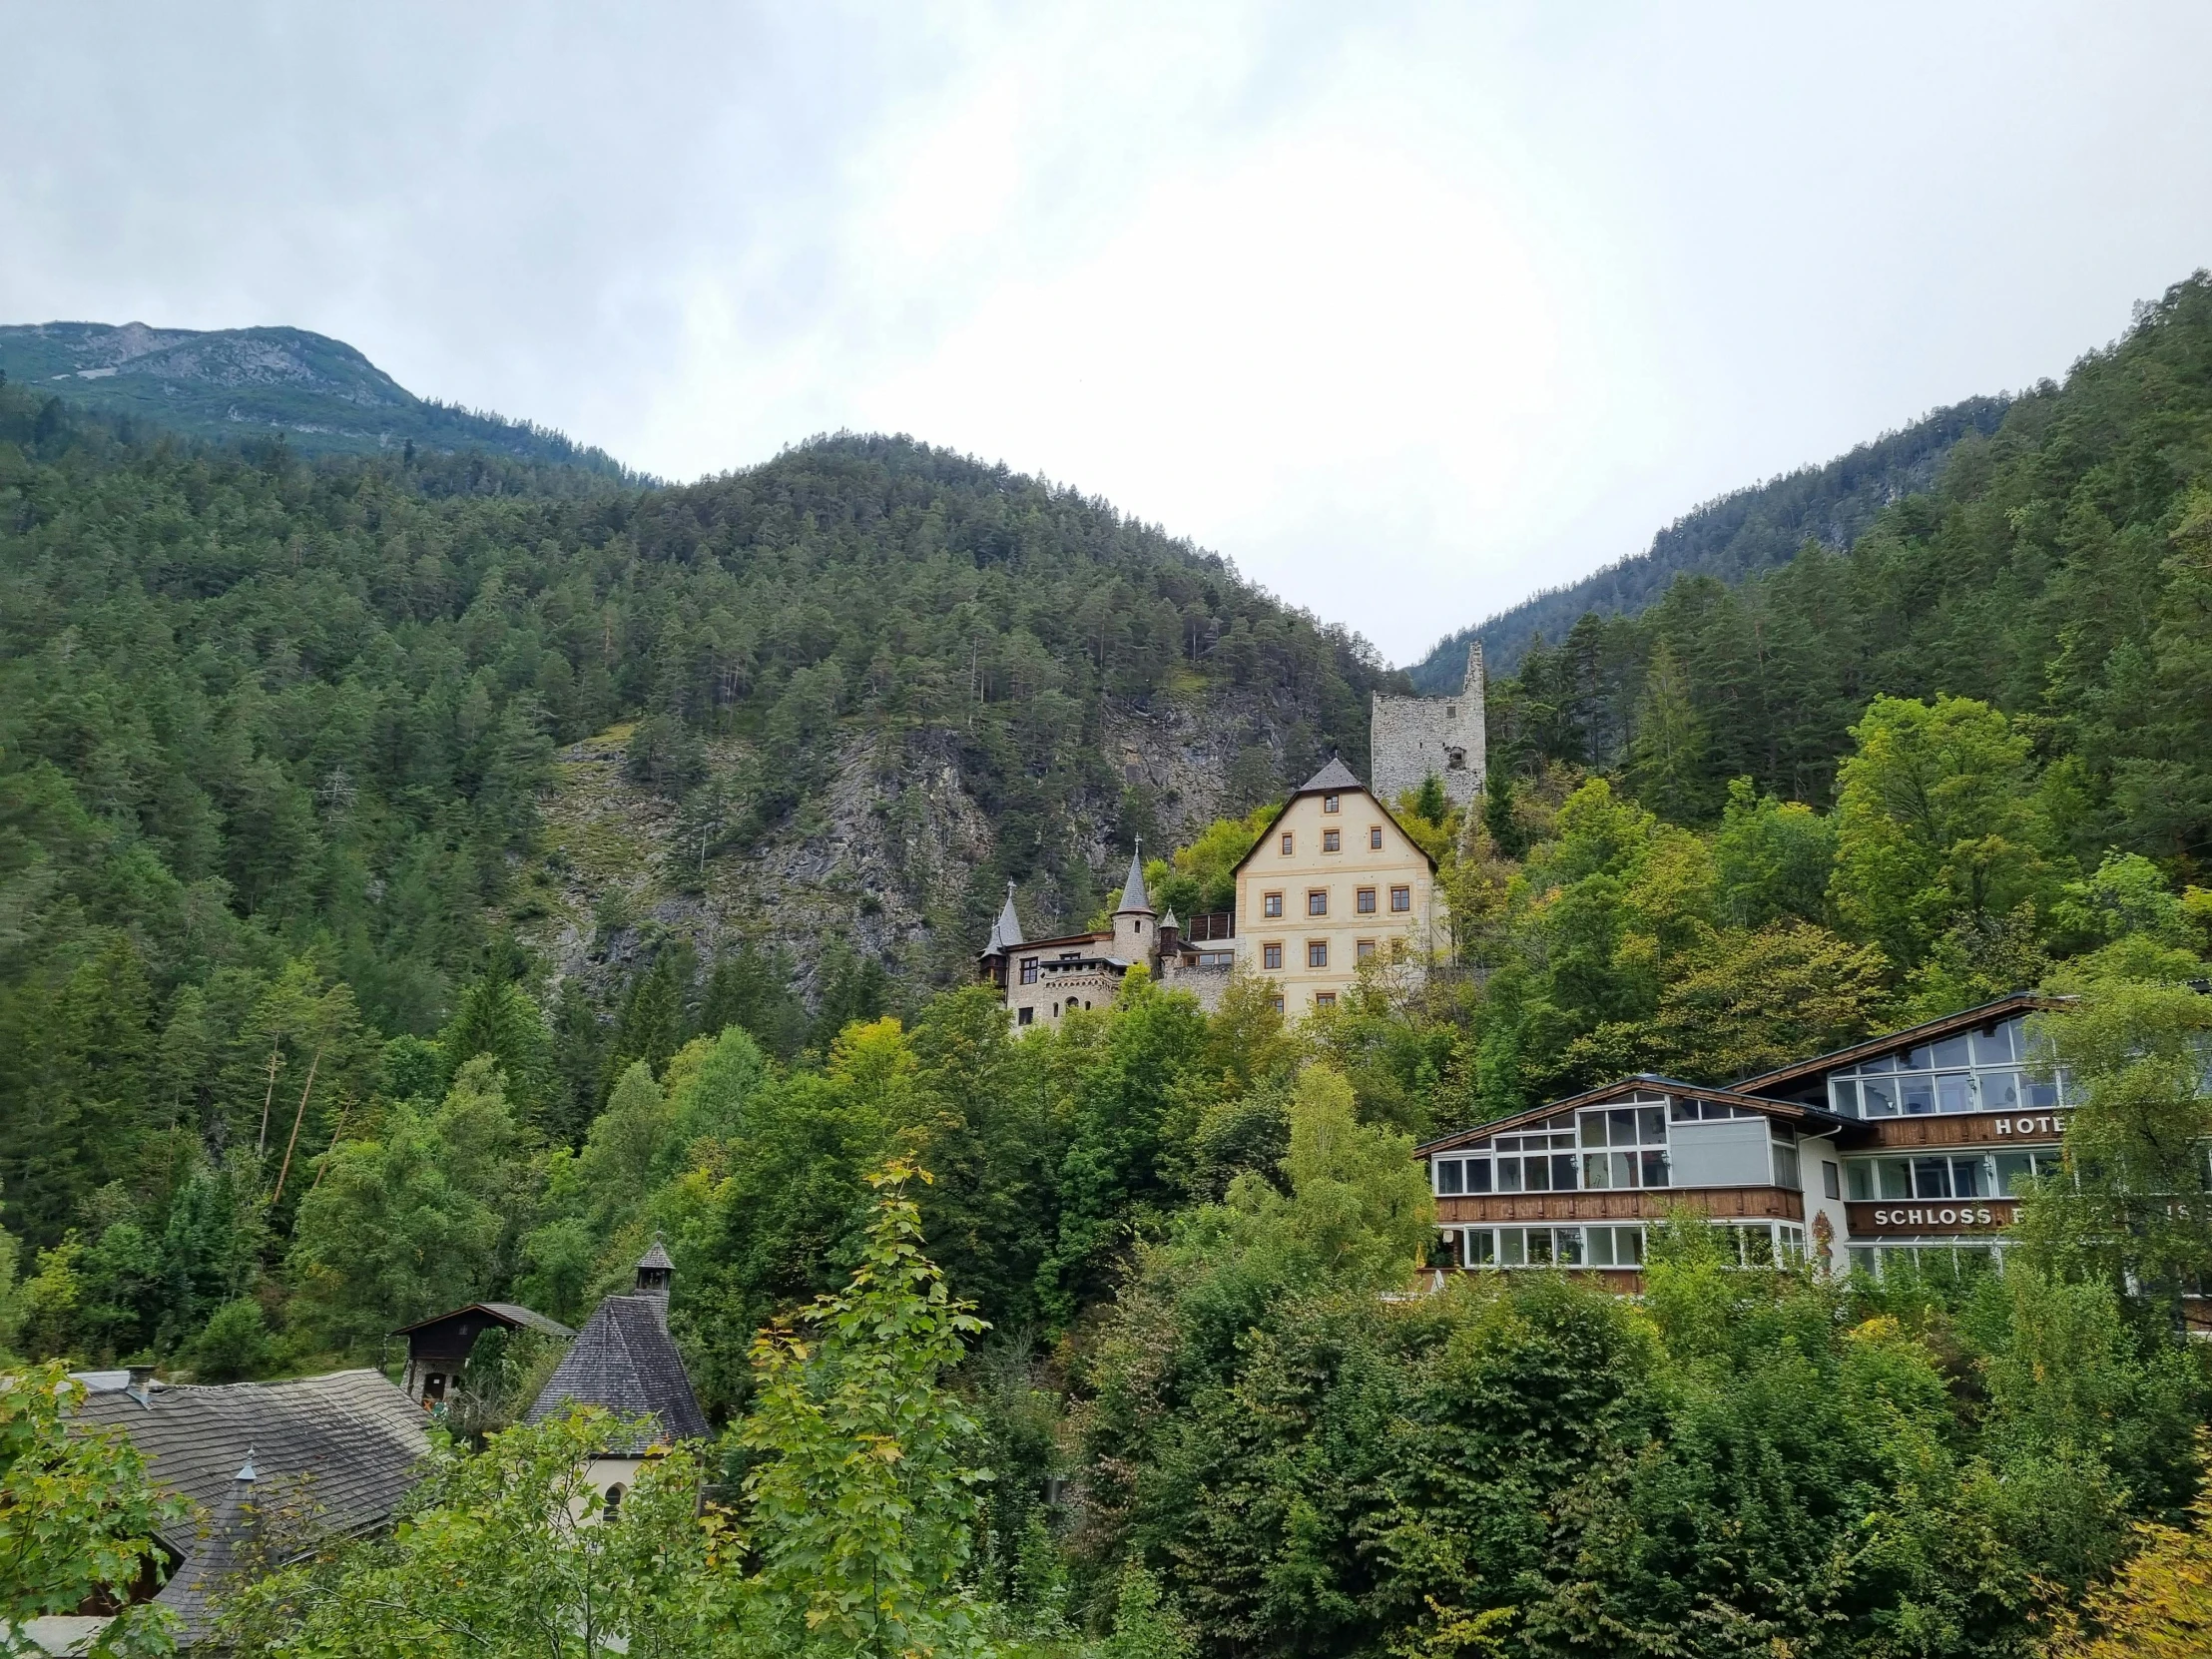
x=1634 y=1138
x=1973 y=1071
x=1944 y=1176
x=2015 y=1169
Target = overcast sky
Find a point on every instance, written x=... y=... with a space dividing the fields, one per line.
x=1409 y=311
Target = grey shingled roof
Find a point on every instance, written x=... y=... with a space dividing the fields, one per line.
x=625 y=1360
x=208 y=1573
x=1335 y=776
x=1133 y=895
x=1006 y=931
x=350 y=1438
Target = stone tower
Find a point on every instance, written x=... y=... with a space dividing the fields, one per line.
x=1412 y=736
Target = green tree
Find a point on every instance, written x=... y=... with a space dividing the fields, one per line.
x=860 y=1504
x=1938 y=822
x=78 y=1517
x=510 y=1551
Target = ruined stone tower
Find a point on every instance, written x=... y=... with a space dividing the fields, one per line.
x=1412 y=736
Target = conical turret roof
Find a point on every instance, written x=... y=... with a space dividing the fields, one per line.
x=1006 y=931
x=1133 y=896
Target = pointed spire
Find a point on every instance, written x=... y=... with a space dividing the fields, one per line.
x=247 y=1474
x=1006 y=931
x=1169 y=920
x=1133 y=897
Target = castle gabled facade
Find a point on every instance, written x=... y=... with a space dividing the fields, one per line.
x=1332 y=884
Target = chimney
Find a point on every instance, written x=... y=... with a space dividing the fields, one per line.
x=142 y=1386
x=655 y=1271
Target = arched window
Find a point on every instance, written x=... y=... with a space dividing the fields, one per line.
x=614 y=1500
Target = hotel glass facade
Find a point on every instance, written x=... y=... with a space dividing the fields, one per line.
x=1915 y=1147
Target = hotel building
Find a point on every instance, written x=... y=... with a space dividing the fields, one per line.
x=1910 y=1145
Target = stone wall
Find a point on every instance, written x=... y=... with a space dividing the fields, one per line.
x=1412 y=736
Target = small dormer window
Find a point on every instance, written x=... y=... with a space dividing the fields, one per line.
x=1328 y=803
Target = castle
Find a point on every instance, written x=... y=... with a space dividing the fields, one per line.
x=1412 y=738
x=1333 y=884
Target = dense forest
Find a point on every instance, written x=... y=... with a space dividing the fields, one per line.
x=1100 y=1342
x=1743 y=533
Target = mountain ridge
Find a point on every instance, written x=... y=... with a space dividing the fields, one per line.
x=1756 y=527
x=322 y=395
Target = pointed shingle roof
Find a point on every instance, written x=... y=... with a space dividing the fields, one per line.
x=625 y=1360
x=1006 y=931
x=1133 y=895
x=657 y=1256
x=1335 y=776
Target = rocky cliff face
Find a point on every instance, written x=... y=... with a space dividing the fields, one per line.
x=888 y=856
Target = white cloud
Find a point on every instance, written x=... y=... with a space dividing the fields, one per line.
x=1407 y=311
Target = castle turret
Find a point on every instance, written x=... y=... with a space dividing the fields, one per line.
x=1004 y=940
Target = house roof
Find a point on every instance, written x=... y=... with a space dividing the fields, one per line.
x=2004 y=1008
x=350 y=1436
x=205 y=1575
x=1335 y=777
x=510 y=1314
x=1819 y=1122
x=656 y=1257
x=625 y=1360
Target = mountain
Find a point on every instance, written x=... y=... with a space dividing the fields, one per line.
x=1743 y=532
x=322 y=395
x=350 y=727
x=2058 y=569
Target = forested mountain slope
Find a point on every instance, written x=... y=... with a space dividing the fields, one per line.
x=2062 y=570
x=1743 y=533
x=320 y=393
x=276 y=735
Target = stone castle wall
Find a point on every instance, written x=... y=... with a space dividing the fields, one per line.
x=1412 y=736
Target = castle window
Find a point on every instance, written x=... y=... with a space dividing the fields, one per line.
x=1323 y=1000
x=1328 y=802
x=1451 y=710
x=1364 y=901
x=1278 y=1004
x=1029 y=970
x=1364 y=952
x=614 y=1502
x=1401 y=899
x=1270 y=904
x=1286 y=843
x=1316 y=954
x=1024 y=1016
x=1455 y=760
x=1270 y=956
x=1375 y=837
x=1317 y=902
x=1331 y=841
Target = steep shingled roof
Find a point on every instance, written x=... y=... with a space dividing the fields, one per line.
x=1006 y=931
x=1133 y=895
x=625 y=1360
x=349 y=1439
